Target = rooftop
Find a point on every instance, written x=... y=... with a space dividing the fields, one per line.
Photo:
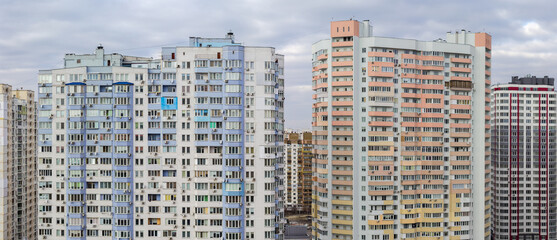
x=532 y=80
x=296 y=232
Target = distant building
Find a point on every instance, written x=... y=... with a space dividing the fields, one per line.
x=401 y=135
x=18 y=164
x=523 y=143
x=298 y=149
x=189 y=146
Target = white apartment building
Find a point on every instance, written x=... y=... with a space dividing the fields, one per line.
x=523 y=143
x=297 y=171
x=189 y=146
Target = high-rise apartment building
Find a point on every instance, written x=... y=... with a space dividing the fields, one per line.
x=297 y=180
x=188 y=146
x=18 y=162
x=523 y=125
x=401 y=134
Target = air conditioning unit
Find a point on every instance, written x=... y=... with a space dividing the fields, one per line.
x=225 y=81
x=206 y=80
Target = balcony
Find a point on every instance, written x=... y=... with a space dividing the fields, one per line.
x=342 y=73
x=343 y=54
x=461 y=60
x=343 y=44
x=460 y=69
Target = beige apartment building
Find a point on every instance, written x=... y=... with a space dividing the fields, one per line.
x=401 y=136
x=18 y=156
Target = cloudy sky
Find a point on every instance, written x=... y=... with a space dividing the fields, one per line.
x=36 y=34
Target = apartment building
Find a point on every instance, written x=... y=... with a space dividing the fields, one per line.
x=188 y=146
x=523 y=125
x=401 y=135
x=298 y=182
x=18 y=157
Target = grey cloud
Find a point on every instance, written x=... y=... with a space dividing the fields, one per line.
x=36 y=34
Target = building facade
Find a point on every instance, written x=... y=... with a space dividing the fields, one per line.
x=18 y=162
x=189 y=146
x=298 y=182
x=401 y=136
x=523 y=125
